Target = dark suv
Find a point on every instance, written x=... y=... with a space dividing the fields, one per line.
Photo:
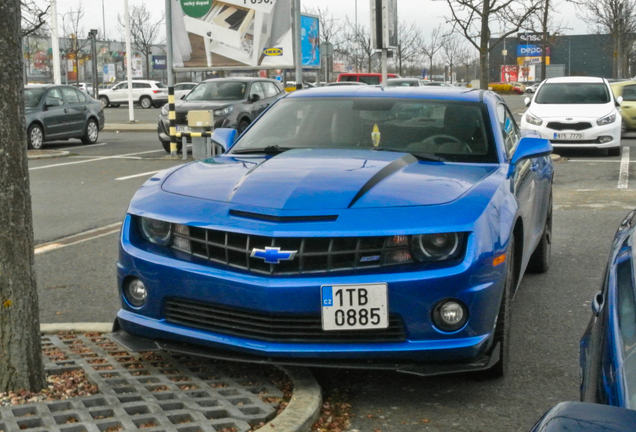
x=236 y=102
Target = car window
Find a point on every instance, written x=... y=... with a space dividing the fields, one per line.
x=33 y=96
x=509 y=129
x=270 y=89
x=54 y=97
x=452 y=131
x=218 y=90
x=122 y=86
x=139 y=85
x=257 y=89
x=573 y=93
x=82 y=96
x=349 y=78
x=371 y=80
x=70 y=95
x=629 y=93
x=160 y=85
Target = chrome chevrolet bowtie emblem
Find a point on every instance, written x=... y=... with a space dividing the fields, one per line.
x=273 y=255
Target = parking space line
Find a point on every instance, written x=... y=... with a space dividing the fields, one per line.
x=84 y=146
x=137 y=175
x=101 y=158
x=78 y=238
x=623 y=177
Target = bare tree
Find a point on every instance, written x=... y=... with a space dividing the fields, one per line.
x=452 y=51
x=542 y=22
x=20 y=346
x=431 y=46
x=616 y=17
x=33 y=18
x=409 y=46
x=474 y=18
x=359 y=48
x=144 y=31
x=72 y=29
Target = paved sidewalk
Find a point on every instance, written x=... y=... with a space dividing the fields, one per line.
x=162 y=391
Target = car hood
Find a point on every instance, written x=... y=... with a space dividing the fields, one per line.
x=184 y=105
x=593 y=111
x=326 y=179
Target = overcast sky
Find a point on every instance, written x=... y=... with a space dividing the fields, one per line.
x=428 y=13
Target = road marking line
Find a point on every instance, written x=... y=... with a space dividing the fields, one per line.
x=84 y=146
x=623 y=177
x=79 y=238
x=137 y=175
x=124 y=156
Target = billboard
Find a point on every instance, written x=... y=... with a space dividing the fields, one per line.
x=509 y=73
x=310 y=40
x=159 y=62
x=234 y=34
x=384 y=24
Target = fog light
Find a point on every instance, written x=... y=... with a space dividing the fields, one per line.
x=605 y=139
x=450 y=315
x=136 y=293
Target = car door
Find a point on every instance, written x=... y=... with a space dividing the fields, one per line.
x=53 y=114
x=271 y=92
x=119 y=93
x=628 y=107
x=75 y=110
x=256 y=89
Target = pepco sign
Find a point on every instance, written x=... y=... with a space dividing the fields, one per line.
x=530 y=51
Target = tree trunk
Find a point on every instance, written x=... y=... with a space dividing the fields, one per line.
x=20 y=346
x=483 y=46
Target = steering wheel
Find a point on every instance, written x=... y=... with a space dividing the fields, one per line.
x=439 y=140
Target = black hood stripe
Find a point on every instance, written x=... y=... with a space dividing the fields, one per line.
x=385 y=172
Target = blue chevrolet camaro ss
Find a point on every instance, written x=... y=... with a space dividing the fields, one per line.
x=358 y=227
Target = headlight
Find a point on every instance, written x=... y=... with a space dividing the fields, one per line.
x=533 y=120
x=606 y=120
x=165 y=110
x=224 y=111
x=156 y=231
x=450 y=315
x=435 y=247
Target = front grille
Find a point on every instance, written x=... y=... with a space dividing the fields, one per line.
x=569 y=126
x=594 y=141
x=272 y=327
x=313 y=254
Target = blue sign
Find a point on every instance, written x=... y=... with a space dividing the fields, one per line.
x=310 y=40
x=327 y=296
x=160 y=62
x=530 y=51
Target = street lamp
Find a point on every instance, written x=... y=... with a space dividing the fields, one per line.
x=92 y=35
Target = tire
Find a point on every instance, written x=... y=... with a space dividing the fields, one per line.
x=540 y=258
x=614 y=151
x=145 y=102
x=92 y=132
x=166 y=146
x=502 y=329
x=243 y=124
x=104 y=100
x=35 y=137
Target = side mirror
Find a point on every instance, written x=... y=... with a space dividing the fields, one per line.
x=255 y=98
x=224 y=137
x=527 y=101
x=530 y=147
x=619 y=101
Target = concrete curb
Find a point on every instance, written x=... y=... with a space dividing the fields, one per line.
x=300 y=414
x=47 y=154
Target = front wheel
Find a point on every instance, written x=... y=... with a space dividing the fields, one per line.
x=614 y=151
x=35 y=137
x=243 y=124
x=145 y=102
x=92 y=132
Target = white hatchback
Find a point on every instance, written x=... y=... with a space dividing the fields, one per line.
x=575 y=112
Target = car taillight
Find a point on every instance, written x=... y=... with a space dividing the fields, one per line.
x=156 y=91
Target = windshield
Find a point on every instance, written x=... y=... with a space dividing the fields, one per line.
x=573 y=93
x=217 y=90
x=32 y=97
x=445 y=129
x=391 y=83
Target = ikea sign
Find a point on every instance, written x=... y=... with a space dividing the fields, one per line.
x=273 y=52
x=530 y=51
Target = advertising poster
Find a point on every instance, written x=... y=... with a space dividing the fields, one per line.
x=310 y=40
x=509 y=73
x=217 y=34
x=137 y=68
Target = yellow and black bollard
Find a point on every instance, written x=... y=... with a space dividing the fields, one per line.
x=172 y=116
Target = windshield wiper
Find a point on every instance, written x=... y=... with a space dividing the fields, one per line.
x=269 y=150
x=421 y=156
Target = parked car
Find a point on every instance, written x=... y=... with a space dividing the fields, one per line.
x=236 y=102
x=437 y=84
x=575 y=112
x=380 y=228
x=532 y=88
x=147 y=93
x=608 y=346
x=367 y=78
x=182 y=89
x=627 y=91
x=60 y=112
x=586 y=417
x=404 y=82
x=346 y=83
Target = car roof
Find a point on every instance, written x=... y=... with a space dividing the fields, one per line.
x=446 y=93
x=240 y=79
x=576 y=79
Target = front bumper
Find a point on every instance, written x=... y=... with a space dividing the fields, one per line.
x=591 y=136
x=163 y=127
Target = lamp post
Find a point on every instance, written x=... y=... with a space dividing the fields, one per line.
x=55 y=44
x=92 y=35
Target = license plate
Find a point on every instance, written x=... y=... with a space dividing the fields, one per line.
x=354 y=307
x=569 y=135
x=183 y=129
